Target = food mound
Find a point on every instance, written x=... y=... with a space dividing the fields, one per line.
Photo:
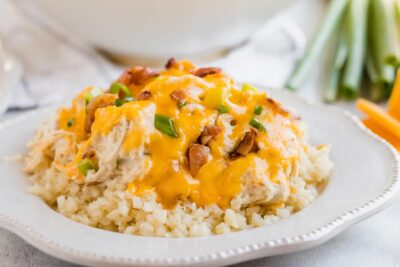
x=183 y=152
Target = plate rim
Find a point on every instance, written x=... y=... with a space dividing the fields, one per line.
x=294 y=243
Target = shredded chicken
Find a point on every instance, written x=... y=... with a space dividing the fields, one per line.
x=97 y=102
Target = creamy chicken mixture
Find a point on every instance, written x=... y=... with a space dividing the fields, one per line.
x=185 y=138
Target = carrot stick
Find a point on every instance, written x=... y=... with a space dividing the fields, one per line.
x=377 y=129
x=394 y=100
x=379 y=116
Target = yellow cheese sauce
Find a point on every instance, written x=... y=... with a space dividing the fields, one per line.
x=220 y=179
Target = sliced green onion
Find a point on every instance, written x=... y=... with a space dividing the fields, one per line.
x=70 y=122
x=165 y=125
x=86 y=165
x=116 y=87
x=181 y=103
x=335 y=13
x=258 y=110
x=330 y=90
x=223 y=109
x=96 y=91
x=382 y=38
x=118 y=102
x=357 y=38
x=256 y=124
x=88 y=97
x=248 y=87
x=371 y=70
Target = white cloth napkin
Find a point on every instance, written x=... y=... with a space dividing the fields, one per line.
x=56 y=65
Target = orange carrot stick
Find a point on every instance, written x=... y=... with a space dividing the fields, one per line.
x=394 y=100
x=377 y=129
x=379 y=116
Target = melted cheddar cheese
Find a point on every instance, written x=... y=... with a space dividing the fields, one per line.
x=167 y=172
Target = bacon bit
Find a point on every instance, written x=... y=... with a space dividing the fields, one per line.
x=178 y=95
x=137 y=75
x=170 y=63
x=248 y=144
x=202 y=72
x=92 y=183
x=125 y=77
x=278 y=106
x=209 y=133
x=282 y=109
x=144 y=95
x=101 y=101
x=197 y=157
x=88 y=154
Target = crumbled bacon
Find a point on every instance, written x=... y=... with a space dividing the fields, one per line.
x=170 y=63
x=137 y=76
x=144 y=95
x=101 y=101
x=88 y=154
x=282 y=109
x=209 y=133
x=197 y=157
x=178 y=95
x=202 y=72
x=125 y=77
x=248 y=143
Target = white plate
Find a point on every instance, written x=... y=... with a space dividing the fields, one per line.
x=364 y=181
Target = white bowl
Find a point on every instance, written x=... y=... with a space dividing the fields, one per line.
x=365 y=180
x=161 y=28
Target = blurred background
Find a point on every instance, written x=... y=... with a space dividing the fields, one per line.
x=59 y=47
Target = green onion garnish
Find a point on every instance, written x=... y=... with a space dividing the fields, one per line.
x=258 y=110
x=71 y=122
x=256 y=124
x=222 y=109
x=116 y=87
x=248 y=87
x=88 y=97
x=181 y=104
x=118 y=102
x=86 y=165
x=165 y=125
x=96 y=91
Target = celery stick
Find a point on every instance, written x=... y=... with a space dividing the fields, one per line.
x=357 y=38
x=313 y=52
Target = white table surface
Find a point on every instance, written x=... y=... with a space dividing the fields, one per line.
x=374 y=242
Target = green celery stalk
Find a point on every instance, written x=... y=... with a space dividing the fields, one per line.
x=357 y=38
x=331 y=22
